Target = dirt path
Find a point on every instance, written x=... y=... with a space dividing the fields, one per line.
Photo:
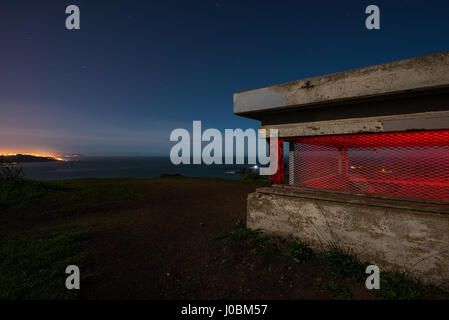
x=166 y=250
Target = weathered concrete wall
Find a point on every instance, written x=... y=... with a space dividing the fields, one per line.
x=404 y=122
x=392 y=237
x=421 y=73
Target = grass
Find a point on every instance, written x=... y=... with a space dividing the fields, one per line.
x=342 y=266
x=339 y=290
x=20 y=193
x=299 y=251
x=255 y=178
x=43 y=256
x=33 y=259
x=393 y=285
x=26 y=199
x=34 y=267
x=396 y=286
x=253 y=238
x=43 y=229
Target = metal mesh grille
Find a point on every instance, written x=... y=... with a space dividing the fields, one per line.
x=405 y=164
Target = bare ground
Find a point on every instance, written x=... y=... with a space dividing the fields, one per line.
x=166 y=249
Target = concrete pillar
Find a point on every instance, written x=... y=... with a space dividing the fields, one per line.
x=278 y=177
x=291 y=163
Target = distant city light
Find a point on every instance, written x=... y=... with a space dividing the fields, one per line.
x=9 y=154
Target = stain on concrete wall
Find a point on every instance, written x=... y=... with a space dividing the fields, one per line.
x=392 y=238
x=399 y=76
x=260 y=98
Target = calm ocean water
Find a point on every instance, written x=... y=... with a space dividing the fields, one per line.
x=123 y=167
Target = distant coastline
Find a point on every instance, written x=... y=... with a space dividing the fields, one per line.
x=23 y=158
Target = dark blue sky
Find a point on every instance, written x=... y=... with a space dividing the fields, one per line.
x=138 y=69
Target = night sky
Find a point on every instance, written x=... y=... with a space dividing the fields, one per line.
x=139 y=69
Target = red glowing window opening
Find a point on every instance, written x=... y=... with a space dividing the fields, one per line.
x=278 y=177
x=403 y=164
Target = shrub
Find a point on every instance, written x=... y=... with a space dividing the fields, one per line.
x=10 y=171
x=299 y=250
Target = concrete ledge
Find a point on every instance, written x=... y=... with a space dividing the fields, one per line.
x=404 y=76
x=398 y=235
x=405 y=122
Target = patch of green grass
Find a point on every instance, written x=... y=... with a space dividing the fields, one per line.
x=338 y=289
x=254 y=238
x=396 y=286
x=299 y=251
x=34 y=267
x=64 y=198
x=255 y=178
x=254 y=252
x=21 y=193
x=343 y=264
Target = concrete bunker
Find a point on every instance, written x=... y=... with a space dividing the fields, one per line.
x=368 y=163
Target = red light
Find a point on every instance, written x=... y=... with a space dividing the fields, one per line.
x=404 y=164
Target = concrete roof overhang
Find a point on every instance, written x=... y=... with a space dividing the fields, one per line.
x=408 y=86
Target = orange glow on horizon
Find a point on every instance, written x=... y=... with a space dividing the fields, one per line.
x=34 y=154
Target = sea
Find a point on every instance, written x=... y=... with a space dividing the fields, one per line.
x=124 y=167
